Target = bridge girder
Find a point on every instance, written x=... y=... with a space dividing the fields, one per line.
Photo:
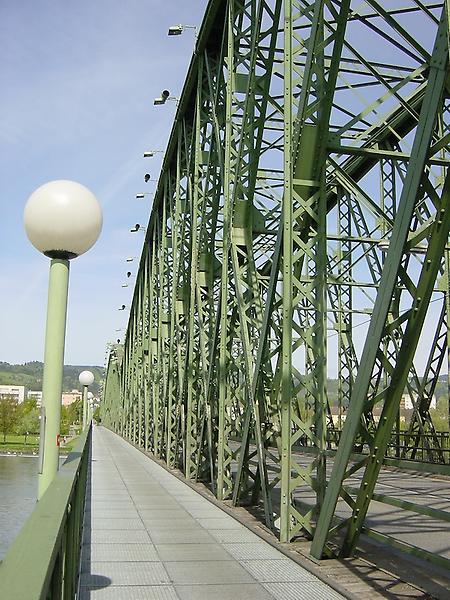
x=300 y=226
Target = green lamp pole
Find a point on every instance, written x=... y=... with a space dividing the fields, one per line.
x=90 y=407
x=53 y=371
x=86 y=378
x=62 y=220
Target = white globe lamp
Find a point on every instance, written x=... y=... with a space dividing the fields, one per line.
x=86 y=378
x=63 y=219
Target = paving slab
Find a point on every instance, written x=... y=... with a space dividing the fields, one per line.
x=148 y=535
x=124 y=573
x=161 y=513
x=215 y=572
x=117 y=536
x=241 y=591
x=122 y=553
x=177 y=523
x=135 y=592
x=192 y=552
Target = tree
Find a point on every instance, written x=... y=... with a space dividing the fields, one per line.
x=8 y=415
x=97 y=415
x=70 y=415
x=28 y=421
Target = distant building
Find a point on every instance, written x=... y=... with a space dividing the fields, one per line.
x=406 y=408
x=70 y=397
x=17 y=392
x=407 y=404
x=35 y=395
x=67 y=398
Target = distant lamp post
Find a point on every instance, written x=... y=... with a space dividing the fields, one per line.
x=62 y=219
x=86 y=378
x=90 y=403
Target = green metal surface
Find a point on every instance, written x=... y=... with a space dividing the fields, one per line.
x=43 y=561
x=298 y=234
x=85 y=406
x=55 y=334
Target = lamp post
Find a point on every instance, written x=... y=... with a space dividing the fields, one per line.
x=90 y=399
x=62 y=220
x=86 y=378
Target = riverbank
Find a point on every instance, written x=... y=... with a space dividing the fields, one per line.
x=16 y=447
x=4 y=453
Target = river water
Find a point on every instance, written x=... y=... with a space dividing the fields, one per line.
x=18 y=493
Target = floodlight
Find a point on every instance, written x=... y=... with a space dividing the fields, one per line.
x=175 y=30
x=165 y=95
x=151 y=153
x=178 y=29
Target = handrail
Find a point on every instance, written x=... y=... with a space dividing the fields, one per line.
x=43 y=562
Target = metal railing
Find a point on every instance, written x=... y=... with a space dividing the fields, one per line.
x=423 y=447
x=43 y=561
x=426 y=448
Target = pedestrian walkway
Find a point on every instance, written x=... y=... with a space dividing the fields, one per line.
x=150 y=536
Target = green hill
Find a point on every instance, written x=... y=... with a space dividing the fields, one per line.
x=30 y=375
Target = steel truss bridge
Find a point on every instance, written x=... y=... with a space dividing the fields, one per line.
x=299 y=228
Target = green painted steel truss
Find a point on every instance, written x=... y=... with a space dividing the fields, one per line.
x=299 y=228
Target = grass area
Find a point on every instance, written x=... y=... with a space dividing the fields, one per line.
x=16 y=443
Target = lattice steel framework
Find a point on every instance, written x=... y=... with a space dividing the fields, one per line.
x=299 y=228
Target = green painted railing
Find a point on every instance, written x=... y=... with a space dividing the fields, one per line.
x=426 y=448
x=43 y=562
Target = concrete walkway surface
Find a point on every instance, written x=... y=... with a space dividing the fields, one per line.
x=149 y=536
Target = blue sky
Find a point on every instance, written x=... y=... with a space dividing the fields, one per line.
x=78 y=81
